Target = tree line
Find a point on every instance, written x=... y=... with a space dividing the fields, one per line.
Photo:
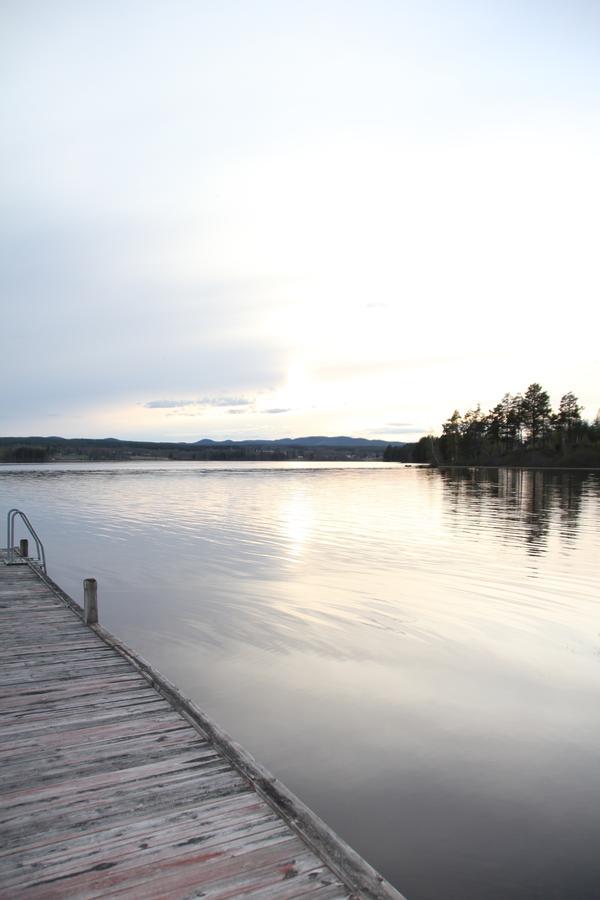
x=522 y=429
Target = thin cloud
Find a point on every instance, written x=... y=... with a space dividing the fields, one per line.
x=224 y=401
x=202 y=403
x=276 y=410
x=168 y=404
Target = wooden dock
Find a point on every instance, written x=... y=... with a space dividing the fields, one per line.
x=114 y=784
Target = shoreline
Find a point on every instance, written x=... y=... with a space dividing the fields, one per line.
x=308 y=462
x=540 y=468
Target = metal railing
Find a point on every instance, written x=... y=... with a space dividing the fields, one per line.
x=10 y=539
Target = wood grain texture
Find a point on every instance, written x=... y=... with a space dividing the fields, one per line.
x=111 y=786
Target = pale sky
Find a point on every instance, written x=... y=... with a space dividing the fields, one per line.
x=268 y=219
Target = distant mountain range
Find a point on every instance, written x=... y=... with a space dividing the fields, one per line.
x=48 y=449
x=312 y=441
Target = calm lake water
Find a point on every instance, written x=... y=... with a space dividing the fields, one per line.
x=416 y=653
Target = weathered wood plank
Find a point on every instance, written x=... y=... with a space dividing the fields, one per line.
x=51 y=688
x=24 y=718
x=42 y=663
x=40 y=697
x=34 y=769
x=173 y=843
x=74 y=740
x=161 y=796
x=24 y=675
x=262 y=867
x=15 y=639
x=145 y=829
x=45 y=728
x=77 y=787
x=30 y=656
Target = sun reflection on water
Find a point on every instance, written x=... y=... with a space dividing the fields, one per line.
x=297 y=521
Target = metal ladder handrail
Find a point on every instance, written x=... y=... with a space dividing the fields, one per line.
x=10 y=538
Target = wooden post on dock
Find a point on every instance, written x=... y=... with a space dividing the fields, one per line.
x=90 y=601
x=24 y=548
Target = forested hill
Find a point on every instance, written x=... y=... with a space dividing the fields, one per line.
x=58 y=449
x=521 y=430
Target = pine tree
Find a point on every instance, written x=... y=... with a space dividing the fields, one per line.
x=451 y=434
x=536 y=413
x=569 y=414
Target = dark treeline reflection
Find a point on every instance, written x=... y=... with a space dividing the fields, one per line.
x=521 y=504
